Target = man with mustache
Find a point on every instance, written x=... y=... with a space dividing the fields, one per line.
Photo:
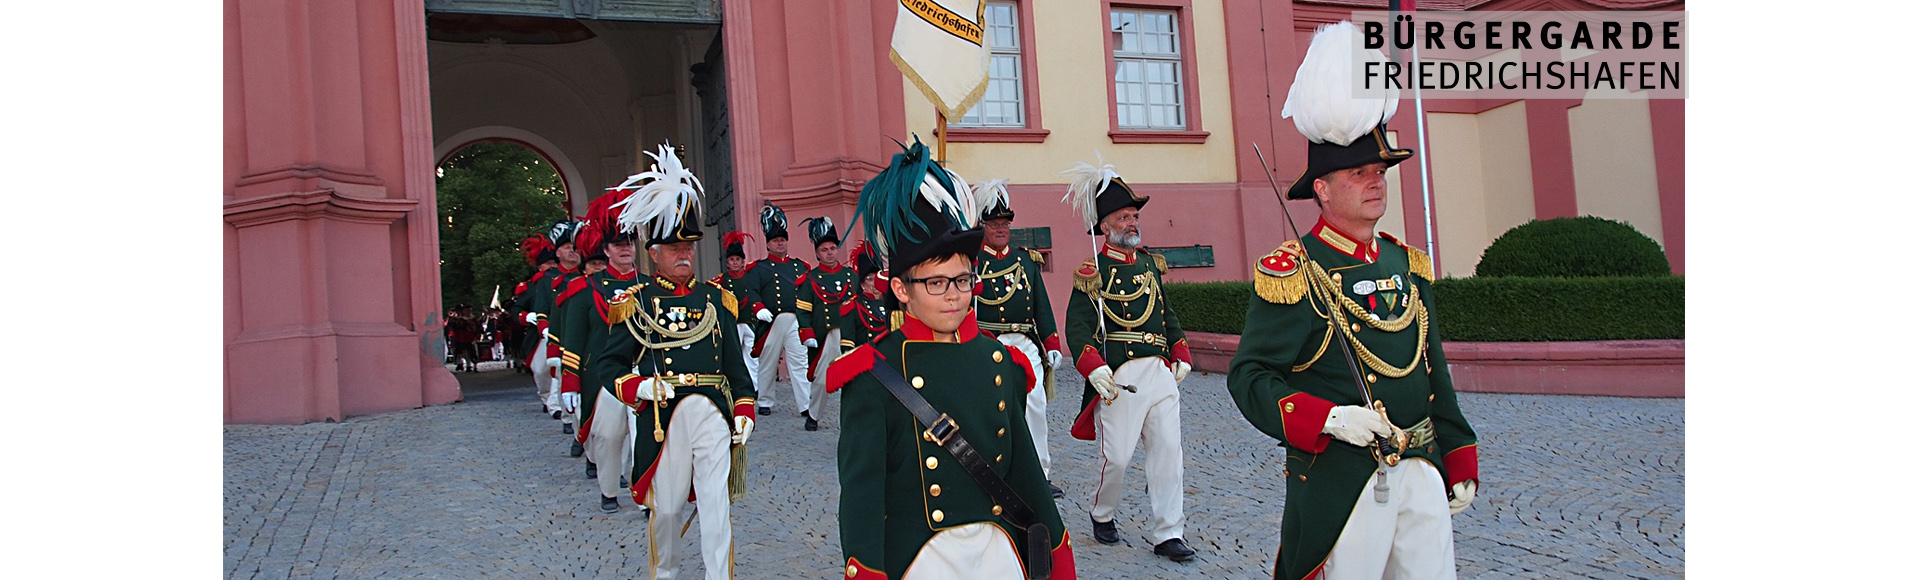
x=1128 y=343
x=774 y=298
x=672 y=355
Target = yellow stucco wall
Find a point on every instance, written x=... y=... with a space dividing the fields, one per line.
x=1073 y=85
x=1482 y=181
x=1613 y=172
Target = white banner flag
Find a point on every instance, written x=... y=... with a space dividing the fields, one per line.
x=940 y=45
x=496 y=296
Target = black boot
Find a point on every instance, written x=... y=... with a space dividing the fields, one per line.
x=592 y=472
x=1174 y=549
x=1057 y=493
x=609 y=504
x=576 y=450
x=1106 y=532
x=567 y=429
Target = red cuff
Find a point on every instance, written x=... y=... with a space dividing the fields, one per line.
x=569 y=382
x=744 y=408
x=1052 y=342
x=757 y=307
x=542 y=324
x=1302 y=418
x=806 y=334
x=627 y=388
x=1063 y=559
x=1026 y=367
x=553 y=349
x=1462 y=464
x=858 y=571
x=1088 y=361
x=1180 y=352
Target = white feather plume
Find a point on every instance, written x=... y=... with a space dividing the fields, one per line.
x=1322 y=102
x=991 y=192
x=960 y=200
x=1085 y=182
x=662 y=201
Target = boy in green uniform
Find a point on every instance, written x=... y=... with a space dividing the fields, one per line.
x=672 y=356
x=960 y=496
x=823 y=289
x=1374 y=462
x=773 y=296
x=1013 y=305
x=1125 y=336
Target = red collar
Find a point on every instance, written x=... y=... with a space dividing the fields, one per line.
x=1340 y=241
x=834 y=270
x=876 y=295
x=615 y=273
x=565 y=271
x=778 y=260
x=742 y=274
x=676 y=289
x=988 y=250
x=1122 y=255
x=913 y=329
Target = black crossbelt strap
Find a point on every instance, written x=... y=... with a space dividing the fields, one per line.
x=942 y=430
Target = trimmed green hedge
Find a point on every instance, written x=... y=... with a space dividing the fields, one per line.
x=1577 y=247
x=1493 y=309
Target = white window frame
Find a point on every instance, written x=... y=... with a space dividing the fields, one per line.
x=1014 y=84
x=1139 y=67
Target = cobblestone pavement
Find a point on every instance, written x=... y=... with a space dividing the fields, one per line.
x=1573 y=487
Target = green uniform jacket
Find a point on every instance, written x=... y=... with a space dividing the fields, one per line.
x=704 y=363
x=1013 y=296
x=527 y=299
x=737 y=285
x=861 y=319
x=1289 y=373
x=822 y=293
x=773 y=284
x=1137 y=321
x=896 y=488
x=585 y=310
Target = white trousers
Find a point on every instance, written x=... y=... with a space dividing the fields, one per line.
x=746 y=353
x=783 y=341
x=1036 y=398
x=829 y=350
x=697 y=456
x=542 y=383
x=1408 y=538
x=610 y=441
x=1150 y=417
x=976 y=550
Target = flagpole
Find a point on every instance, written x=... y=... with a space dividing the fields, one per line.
x=940 y=137
x=1426 y=175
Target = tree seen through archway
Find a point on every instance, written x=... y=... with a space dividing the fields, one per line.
x=492 y=195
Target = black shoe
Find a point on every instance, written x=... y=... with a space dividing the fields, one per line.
x=1174 y=549
x=812 y=425
x=567 y=429
x=609 y=505
x=576 y=450
x=764 y=411
x=592 y=471
x=556 y=415
x=1057 y=494
x=1106 y=532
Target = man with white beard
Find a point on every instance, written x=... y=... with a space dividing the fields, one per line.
x=1128 y=343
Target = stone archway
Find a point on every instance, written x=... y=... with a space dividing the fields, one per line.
x=569 y=173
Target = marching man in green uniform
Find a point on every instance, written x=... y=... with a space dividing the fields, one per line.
x=1013 y=305
x=1125 y=337
x=735 y=281
x=546 y=355
x=606 y=440
x=823 y=290
x=540 y=254
x=1374 y=462
x=866 y=315
x=672 y=356
x=570 y=303
x=773 y=296
x=938 y=479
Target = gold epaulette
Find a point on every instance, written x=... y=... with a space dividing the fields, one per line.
x=1418 y=262
x=1277 y=278
x=1038 y=258
x=1087 y=278
x=623 y=304
x=1159 y=262
x=727 y=299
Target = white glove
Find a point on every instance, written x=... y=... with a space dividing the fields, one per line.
x=742 y=428
x=654 y=390
x=1053 y=358
x=1462 y=496
x=764 y=315
x=1102 y=381
x=811 y=343
x=570 y=402
x=1355 y=424
x=553 y=362
x=532 y=318
x=1180 y=370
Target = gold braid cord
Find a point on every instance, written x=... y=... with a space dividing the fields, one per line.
x=1015 y=270
x=1148 y=291
x=676 y=339
x=1416 y=315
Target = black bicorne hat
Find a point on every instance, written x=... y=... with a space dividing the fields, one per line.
x=1326 y=157
x=773 y=221
x=668 y=206
x=917 y=211
x=1096 y=192
x=562 y=232
x=821 y=230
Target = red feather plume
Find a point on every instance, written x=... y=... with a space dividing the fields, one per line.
x=533 y=246
x=734 y=237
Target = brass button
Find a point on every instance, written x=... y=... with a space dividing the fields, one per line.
x=1303 y=478
x=997 y=458
x=1372 y=378
x=1003 y=405
x=919 y=382
x=933 y=463
x=669 y=360
x=996 y=510
x=1429 y=398
x=996 y=380
x=1287 y=408
x=934 y=490
x=1003 y=433
x=1356 y=328
x=997 y=357
x=851 y=571
x=939 y=516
